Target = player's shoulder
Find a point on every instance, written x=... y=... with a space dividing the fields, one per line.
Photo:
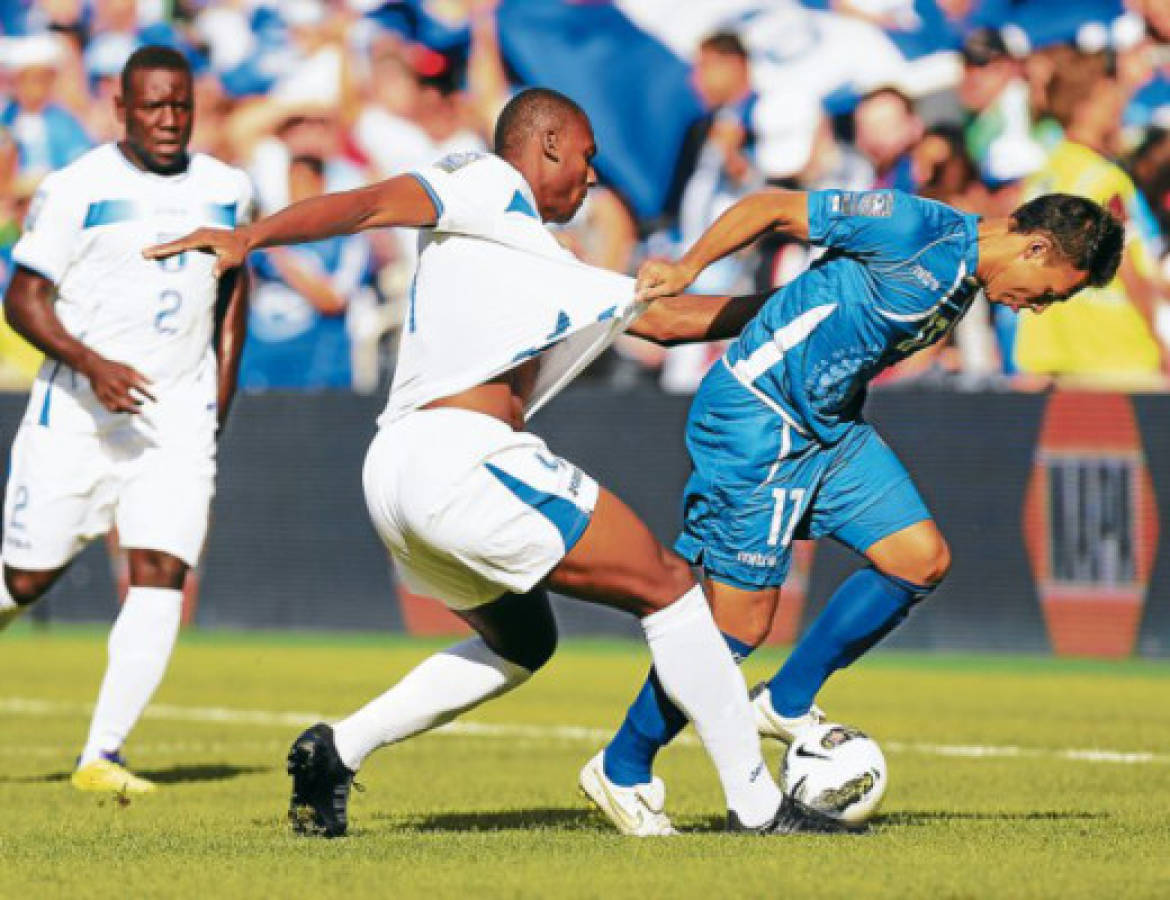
x=85 y=173
x=208 y=168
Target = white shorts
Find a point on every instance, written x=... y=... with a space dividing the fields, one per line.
x=65 y=489
x=471 y=509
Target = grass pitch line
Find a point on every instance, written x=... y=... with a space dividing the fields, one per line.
x=24 y=706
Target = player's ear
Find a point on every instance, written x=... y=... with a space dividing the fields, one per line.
x=1039 y=247
x=120 y=108
x=550 y=144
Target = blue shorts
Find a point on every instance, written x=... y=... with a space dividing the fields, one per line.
x=757 y=484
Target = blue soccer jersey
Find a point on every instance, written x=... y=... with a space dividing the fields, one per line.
x=777 y=445
x=897 y=275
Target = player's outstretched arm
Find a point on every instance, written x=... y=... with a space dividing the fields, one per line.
x=231 y=329
x=28 y=307
x=753 y=216
x=693 y=318
x=399 y=201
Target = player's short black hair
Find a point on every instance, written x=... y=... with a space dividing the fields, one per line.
x=153 y=56
x=530 y=110
x=726 y=42
x=889 y=90
x=1084 y=233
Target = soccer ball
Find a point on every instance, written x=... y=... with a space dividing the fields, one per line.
x=835 y=770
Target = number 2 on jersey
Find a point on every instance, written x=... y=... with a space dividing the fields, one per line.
x=169 y=304
x=782 y=495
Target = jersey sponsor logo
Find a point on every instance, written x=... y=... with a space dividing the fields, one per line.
x=872 y=204
x=925 y=277
x=759 y=560
x=453 y=162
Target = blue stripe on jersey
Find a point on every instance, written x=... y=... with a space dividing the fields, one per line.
x=570 y=520
x=222 y=214
x=413 y=291
x=109 y=212
x=430 y=193
x=521 y=205
x=44 y=417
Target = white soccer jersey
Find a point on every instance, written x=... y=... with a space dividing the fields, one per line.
x=86 y=230
x=494 y=289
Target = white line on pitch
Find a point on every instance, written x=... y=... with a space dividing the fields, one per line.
x=576 y=733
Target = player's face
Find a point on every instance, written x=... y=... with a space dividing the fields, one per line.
x=574 y=173
x=1035 y=280
x=158 y=113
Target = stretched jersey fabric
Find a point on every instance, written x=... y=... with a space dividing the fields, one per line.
x=85 y=232
x=494 y=289
x=1101 y=332
x=898 y=275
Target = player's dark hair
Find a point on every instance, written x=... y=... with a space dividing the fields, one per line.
x=889 y=91
x=314 y=164
x=1084 y=233
x=725 y=42
x=153 y=56
x=529 y=111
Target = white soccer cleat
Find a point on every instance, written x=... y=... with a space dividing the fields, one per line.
x=636 y=811
x=771 y=724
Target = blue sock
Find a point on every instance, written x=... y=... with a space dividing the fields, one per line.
x=651 y=724
x=865 y=608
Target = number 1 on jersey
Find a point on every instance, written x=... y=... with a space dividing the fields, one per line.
x=781 y=495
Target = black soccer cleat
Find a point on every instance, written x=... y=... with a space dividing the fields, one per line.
x=321 y=784
x=794 y=817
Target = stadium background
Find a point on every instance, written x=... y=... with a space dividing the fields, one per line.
x=1047 y=479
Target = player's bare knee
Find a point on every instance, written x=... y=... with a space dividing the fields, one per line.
x=27 y=587
x=541 y=647
x=937 y=564
x=669 y=580
x=153 y=568
x=756 y=620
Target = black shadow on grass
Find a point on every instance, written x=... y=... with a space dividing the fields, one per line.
x=927 y=817
x=499 y=820
x=185 y=773
x=47 y=778
x=169 y=775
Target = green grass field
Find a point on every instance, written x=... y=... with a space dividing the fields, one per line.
x=988 y=795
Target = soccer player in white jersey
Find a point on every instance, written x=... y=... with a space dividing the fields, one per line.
x=477 y=511
x=141 y=366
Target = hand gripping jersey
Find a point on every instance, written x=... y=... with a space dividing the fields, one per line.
x=898 y=274
x=85 y=232
x=494 y=289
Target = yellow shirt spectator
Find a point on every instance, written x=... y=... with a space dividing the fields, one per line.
x=1100 y=331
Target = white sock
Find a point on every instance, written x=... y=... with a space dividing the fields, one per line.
x=9 y=608
x=701 y=677
x=433 y=693
x=139 y=648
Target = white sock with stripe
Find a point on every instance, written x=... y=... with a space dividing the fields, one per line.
x=700 y=676
x=431 y=694
x=139 y=647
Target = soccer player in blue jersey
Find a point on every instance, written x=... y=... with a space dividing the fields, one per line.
x=780 y=449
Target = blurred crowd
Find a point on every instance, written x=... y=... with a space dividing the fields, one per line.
x=978 y=103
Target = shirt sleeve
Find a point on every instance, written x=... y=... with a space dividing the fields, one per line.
x=461 y=187
x=879 y=224
x=55 y=220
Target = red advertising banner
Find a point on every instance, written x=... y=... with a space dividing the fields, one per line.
x=1091 y=524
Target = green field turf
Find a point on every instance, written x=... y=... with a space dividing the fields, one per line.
x=493 y=812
